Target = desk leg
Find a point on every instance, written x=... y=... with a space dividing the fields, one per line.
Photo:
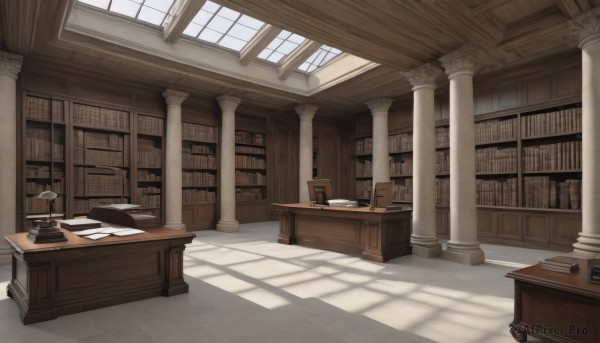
x=373 y=247
x=516 y=332
x=174 y=283
x=286 y=228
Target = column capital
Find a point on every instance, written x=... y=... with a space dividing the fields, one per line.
x=10 y=64
x=586 y=27
x=381 y=105
x=424 y=75
x=461 y=60
x=306 y=112
x=174 y=97
x=228 y=103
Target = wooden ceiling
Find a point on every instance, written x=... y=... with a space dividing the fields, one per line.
x=400 y=35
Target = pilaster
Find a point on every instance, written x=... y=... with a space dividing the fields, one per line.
x=306 y=113
x=381 y=163
x=10 y=66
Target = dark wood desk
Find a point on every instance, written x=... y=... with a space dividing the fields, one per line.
x=55 y=279
x=556 y=307
x=377 y=235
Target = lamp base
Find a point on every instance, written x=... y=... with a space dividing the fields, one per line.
x=44 y=232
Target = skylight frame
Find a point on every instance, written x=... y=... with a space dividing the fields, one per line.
x=206 y=21
x=107 y=5
x=275 y=47
x=311 y=64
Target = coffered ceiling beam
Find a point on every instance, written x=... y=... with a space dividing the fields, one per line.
x=181 y=15
x=258 y=43
x=292 y=61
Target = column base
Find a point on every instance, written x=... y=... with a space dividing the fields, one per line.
x=179 y=226
x=228 y=226
x=424 y=246
x=587 y=246
x=464 y=253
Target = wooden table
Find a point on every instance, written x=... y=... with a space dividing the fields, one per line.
x=378 y=235
x=55 y=279
x=556 y=307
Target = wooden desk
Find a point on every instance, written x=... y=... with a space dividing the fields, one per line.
x=377 y=235
x=556 y=307
x=55 y=279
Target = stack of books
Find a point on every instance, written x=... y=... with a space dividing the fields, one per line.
x=562 y=264
x=79 y=224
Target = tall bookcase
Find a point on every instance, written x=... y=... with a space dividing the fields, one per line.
x=149 y=166
x=199 y=175
x=528 y=174
x=44 y=156
x=250 y=166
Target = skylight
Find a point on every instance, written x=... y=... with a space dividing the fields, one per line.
x=150 y=11
x=324 y=55
x=281 y=46
x=223 y=26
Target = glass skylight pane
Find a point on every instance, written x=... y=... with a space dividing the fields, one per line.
x=103 y=4
x=202 y=18
x=251 y=22
x=228 y=13
x=275 y=57
x=192 y=29
x=219 y=24
x=304 y=66
x=287 y=47
x=160 y=5
x=232 y=43
x=296 y=39
x=211 y=7
x=274 y=43
x=129 y=8
x=151 y=15
x=265 y=53
x=210 y=35
x=242 y=32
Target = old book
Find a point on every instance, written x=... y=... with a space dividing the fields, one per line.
x=79 y=224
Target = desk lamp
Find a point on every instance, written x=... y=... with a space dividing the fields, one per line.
x=42 y=230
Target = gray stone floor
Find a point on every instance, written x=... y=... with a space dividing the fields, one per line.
x=244 y=287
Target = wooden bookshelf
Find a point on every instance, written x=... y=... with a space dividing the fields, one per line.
x=315 y=171
x=250 y=166
x=43 y=157
x=199 y=175
x=150 y=163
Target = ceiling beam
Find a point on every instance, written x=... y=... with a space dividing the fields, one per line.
x=258 y=43
x=292 y=61
x=488 y=6
x=19 y=19
x=179 y=17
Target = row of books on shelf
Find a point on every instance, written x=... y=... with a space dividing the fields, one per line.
x=41 y=149
x=45 y=109
x=198 y=132
x=100 y=117
x=149 y=175
x=249 y=178
x=245 y=161
x=442 y=191
x=442 y=137
x=85 y=205
x=98 y=181
x=246 y=137
x=497 y=192
x=402 y=190
x=551 y=123
x=199 y=161
x=542 y=192
x=149 y=157
x=99 y=140
x=150 y=125
x=400 y=142
x=442 y=162
x=100 y=157
x=363 y=189
x=364 y=146
x=364 y=168
x=148 y=190
x=496 y=160
x=35 y=205
x=401 y=166
x=550 y=157
x=149 y=201
x=495 y=130
x=35 y=187
x=249 y=149
x=248 y=194
x=43 y=171
x=193 y=196
x=190 y=179
x=199 y=149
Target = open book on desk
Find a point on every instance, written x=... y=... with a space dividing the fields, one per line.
x=107 y=231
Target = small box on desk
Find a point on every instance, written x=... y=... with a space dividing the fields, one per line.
x=79 y=224
x=594 y=271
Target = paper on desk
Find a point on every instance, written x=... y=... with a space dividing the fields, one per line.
x=127 y=232
x=88 y=231
x=97 y=236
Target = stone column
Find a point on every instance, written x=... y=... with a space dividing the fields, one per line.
x=587 y=29
x=306 y=114
x=228 y=223
x=423 y=239
x=10 y=66
x=173 y=157
x=381 y=158
x=462 y=246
